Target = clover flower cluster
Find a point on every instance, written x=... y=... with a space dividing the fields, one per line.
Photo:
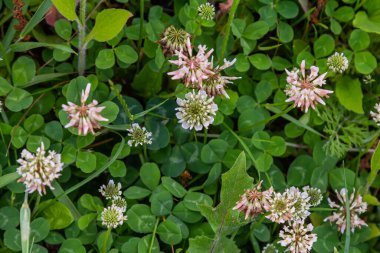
x=38 y=170
x=290 y=208
x=173 y=40
x=376 y=114
x=337 y=62
x=113 y=215
x=356 y=207
x=206 y=11
x=138 y=135
x=84 y=117
x=303 y=88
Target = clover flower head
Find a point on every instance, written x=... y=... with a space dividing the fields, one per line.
x=206 y=11
x=315 y=196
x=297 y=237
x=216 y=83
x=174 y=40
x=281 y=207
x=138 y=135
x=269 y=248
x=337 y=62
x=38 y=171
x=196 y=111
x=192 y=69
x=301 y=203
x=376 y=114
x=253 y=201
x=120 y=202
x=367 y=79
x=112 y=217
x=84 y=117
x=303 y=89
x=356 y=206
x=111 y=190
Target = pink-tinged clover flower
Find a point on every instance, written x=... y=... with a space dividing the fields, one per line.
x=303 y=89
x=356 y=205
x=297 y=237
x=84 y=117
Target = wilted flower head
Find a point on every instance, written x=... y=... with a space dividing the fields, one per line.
x=297 y=238
x=269 y=248
x=337 y=62
x=38 y=171
x=196 y=111
x=174 y=39
x=357 y=206
x=376 y=114
x=110 y=190
x=113 y=217
x=253 y=202
x=303 y=89
x=192 y=69
x=301 y=203
x=281 y=207
x=138 y=135
x=84 y=117
x=315 y=196
x=206 y=11
x=215 y=84
x=120 y=202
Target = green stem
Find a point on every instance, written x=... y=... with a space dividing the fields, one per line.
x=153 y=235
x=82 y=38
x=228 y=28
x=25 y=225
x=145 y=154
x=141 y=32
x=105 y=240
x=348 y=218
x=121 y=100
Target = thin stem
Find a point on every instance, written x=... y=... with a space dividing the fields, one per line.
x=141 y=32
x=228 y=28
x=105 y=240
x=145 y=154
x=205 y=136
x=82 y=38
x=153 y=235
x=121 y=100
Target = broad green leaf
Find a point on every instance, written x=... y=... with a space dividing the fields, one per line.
x=9 y=217
x=365 y=62
x=193 y=200
x=150 y=175
x=140 y=219
x=108 y=23
x=260 y=61
x=58 y=216
x=173 y=187
x=86 y=161
x=256 y=30
x=359 y=40
x=23 y=71
x=366 y=23
x=25 y=46
x=72 y=245
x=169 y=232
x=105 y=59
x=375 y=166
x=350 y=94
x=85 y=220
x=161 y=203
x=5 y=87
x=39 y=229
x=18 y=99
x=202 y=243
x=324 y=46
x=66 y=8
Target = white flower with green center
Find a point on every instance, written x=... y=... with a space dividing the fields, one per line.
x=174 y=39
x=120 y=203
x=196 y=111
x=38 y=171
x=297 y=238
x=206 y=11
x=112 y=217
x=337 y=62
x=138 y=135
x=376 y=114
x=300 y=202
x=281 y=208
x=315 y=196
x=110 y=191
x=269 y=248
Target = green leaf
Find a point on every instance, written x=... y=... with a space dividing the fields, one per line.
x=86 y=161
x=173 y=187
x=33 y=123
x=193 y=200
x=39 y=229
x=66 y=8
x=126 y=54
x=136 y=192
x=150 y=175
x=23 y=71
x=91 y=203
x=18 y=99
x=58 y=216
x=324 y=46
x=287 y=9
x=223 y=219
x=260 y=61
x=85 y=220
x=263 y=162
x=38 y=16
x=63 y=29
x=9 y=217
x=140 y=219
x=375 y=166
x=8 y=178
x=169 y=232
x=285 y=32
x=105 y=59
x=12 y=239
x=161 y=203
x=202 y=243
x=25 y=46
x=365 y=62
x=214 y=151
x=370 y=24
x=344 y=14
x=5 y=87
x=72 y=245
x=350 y=94
x=359 y=40
x=108 y=23
x=342 y=178
x=256 y=30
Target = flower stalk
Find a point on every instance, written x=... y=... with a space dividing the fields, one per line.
x=82 y=38
x=25 y=225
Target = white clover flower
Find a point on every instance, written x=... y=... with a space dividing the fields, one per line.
x=337 y=62
x=269 y=248
x=303 y=89
x=301 y=203
x=38 y=171
x=281 y=207
x=84 y=117
x=315 y=196
x=120 y=203
x=376 y=114
x=253 y=202
x=196 y=111
x=192 y=69
x=174 y=40
x=367 y=79
x=357 y=206
x=138 y=135
x=110 y=191
x=113 y=217
x=206 y=11
x=297 y=238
